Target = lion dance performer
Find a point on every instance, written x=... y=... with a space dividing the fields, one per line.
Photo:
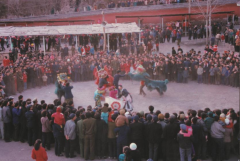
x=140 y=74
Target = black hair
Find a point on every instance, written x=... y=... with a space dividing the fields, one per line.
x=20 y=97
x=194 y=113
x=44 y=113
x=158 y=112
x=42 y=102
x=37 y=144
x=70 y=103
x=105 y=105
x=88 y=115
x=82 y=117
x=188 y=123
x=200 y=113
x=216 y=118
x=97 y=116
x=78 y=113
x=203 y=115
x=151 y=108
x=194 y=120
x=167 y=115
x=44 y=106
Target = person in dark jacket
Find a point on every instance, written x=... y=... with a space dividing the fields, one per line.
x=197 y=131
x=116 y=78
x=31 y=124
x=101 y=137
x=154 y=132
x=23 y=122
x=170 y=135
x=122 y=139
x=68 y=93
x=136 y=133
x=16 y=111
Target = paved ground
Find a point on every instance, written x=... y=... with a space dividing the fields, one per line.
x=178 y=97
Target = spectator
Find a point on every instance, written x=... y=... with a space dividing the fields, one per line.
x=70 y=135
x=38 y=152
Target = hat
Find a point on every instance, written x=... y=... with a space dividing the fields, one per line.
x=141 y=113
x=183 y=127
x=182 y=116
x=133 y=146
x=136 y=118
x=72 y=115
x=155 y=118
x=122 y=111
x=222 y=115
x=160 y=116
x=35 y=99
x=227 y=121
x=11 y=97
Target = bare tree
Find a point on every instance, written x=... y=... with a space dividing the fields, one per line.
x=207 y=10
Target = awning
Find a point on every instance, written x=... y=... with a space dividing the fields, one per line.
x=69 y=30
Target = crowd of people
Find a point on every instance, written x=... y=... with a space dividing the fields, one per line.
x=101 y=132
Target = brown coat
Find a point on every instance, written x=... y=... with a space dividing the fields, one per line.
x=89 y=126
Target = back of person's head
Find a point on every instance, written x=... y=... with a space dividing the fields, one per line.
x=157 y=112
x=189 y=112
x=42 y=102
x=44 y=106
x=206 y=110
x=20 y=97
x=44 y=113
x=97 y=116
x=88 y=115
x=39 y=107
x=70 y=103
x=172 y=119
x=167 y=115
x=225 y=111
x=194 y=113
x=194 y=120
x=67 y=84
x=114 y=116
x=37 y=144
x=216 y=118
x=16 y=104
x=151 y=108
x=203 y=115
x=218 y=112
x=200 y=113
x=105 y=105
x=82 y=116
x=175 y=114
x=188 y=123
x=78 y=113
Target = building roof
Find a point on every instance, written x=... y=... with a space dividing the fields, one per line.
x=69 y=30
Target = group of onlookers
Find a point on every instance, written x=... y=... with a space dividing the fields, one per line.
x=103 y=132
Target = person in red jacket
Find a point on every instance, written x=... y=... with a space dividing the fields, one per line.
x=6 y=61
x=58 y=117
x=25 y=80
x=38 y=152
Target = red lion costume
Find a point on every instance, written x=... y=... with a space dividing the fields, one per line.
x=103 y=73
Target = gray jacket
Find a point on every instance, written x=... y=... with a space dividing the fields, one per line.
x=217 y=131
x=70 y=129
x=6 y=114
x=199 y=71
